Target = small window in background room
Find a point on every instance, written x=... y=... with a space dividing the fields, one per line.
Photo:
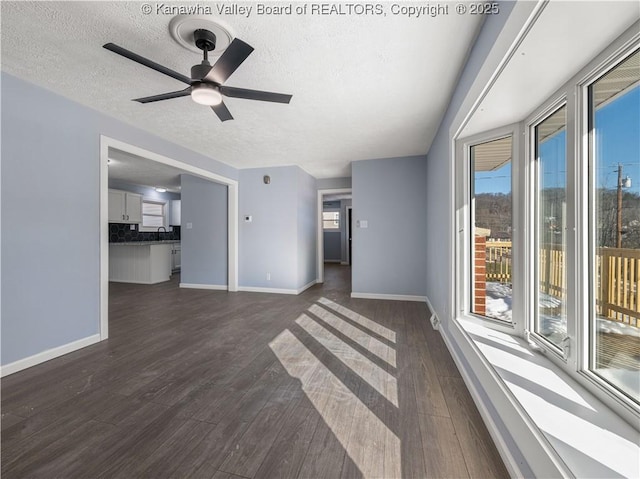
x=331 y=220
x=153 y=214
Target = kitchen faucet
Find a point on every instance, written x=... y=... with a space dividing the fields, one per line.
x=165 y=230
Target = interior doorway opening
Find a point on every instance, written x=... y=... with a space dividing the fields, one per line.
x=108 y=145
x=334 y=229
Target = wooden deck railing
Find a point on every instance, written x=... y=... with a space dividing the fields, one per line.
x=618 y=288
x=617 y=285
x=498 y=261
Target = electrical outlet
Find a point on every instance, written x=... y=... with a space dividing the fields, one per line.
x=132 y=227
x=268 y=276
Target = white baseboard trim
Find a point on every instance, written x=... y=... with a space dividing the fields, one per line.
x=216 y=287
x=335 y=261
x=47 y=355
x=255 y=289
x=307 y=286
x=136 y=282
x=392 y=297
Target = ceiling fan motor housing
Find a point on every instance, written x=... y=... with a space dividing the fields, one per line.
x=205 y=39
x=198 y=72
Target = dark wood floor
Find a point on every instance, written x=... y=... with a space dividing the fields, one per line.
x=224 y=385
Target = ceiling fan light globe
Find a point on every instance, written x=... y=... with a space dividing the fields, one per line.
x=206 y=94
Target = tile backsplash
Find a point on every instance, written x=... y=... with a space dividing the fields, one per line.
x=120 y=233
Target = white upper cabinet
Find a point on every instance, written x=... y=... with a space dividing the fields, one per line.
x=176 y=206
x=125 y=207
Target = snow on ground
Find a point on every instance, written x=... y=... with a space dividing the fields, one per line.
x=498 y=303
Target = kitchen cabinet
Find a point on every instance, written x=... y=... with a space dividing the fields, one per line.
x=140 y=262
x=176 y=206
x=176 y=256
x=125 y=207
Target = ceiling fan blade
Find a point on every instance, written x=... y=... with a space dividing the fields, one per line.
x=255 y=94
x=222 y=111
x=231 y=59
x=164 y=96
x=147 y=63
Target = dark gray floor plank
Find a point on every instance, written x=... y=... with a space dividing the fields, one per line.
x=202 y=384
x=285 y=457
x=443 y=455
x=480 y=454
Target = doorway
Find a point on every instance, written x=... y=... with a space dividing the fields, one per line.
x=343 y=196
x=349 y=234
x=107 y=143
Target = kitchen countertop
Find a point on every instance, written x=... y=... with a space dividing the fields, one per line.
x=142 y=243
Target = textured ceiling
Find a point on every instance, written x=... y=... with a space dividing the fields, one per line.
x=363 y=86
x=134 y=169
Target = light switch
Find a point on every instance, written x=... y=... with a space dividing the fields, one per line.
x=189 y=226
x=363 y=223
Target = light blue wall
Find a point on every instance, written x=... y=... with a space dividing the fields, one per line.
x=389 y=256
x=50 y=214
x=205 y=244
x=332 y=245
x=438 y=188
x=268 y=244
x=50 y=221
x=307 y=228
x=333 y=183
x=281 y=238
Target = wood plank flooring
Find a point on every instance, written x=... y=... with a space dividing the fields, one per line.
x=217 y=385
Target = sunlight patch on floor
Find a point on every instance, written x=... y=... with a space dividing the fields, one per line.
x=363 y=435
x=359 y=319
x=372 y=344
x=374 y=375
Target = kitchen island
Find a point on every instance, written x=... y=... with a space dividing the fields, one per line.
x=142 y=262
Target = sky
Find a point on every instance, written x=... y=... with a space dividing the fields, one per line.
x=617 y=141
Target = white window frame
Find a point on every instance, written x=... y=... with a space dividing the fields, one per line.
x=165 y=211
x=339 y=220
x=574 y=359
x=548 y=109
x=586 y=215
x=464 y=248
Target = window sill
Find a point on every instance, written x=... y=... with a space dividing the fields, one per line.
x=544 y=423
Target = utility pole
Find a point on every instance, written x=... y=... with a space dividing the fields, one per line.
x=619 y=210
x=622 y=183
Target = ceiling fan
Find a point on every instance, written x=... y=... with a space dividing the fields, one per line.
x=206 y=81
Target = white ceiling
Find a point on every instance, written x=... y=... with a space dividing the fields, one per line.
x=363 y=86
x=566 y=36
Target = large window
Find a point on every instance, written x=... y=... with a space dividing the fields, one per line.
x=491 y=229
x=551 y=216
x=566 y=200
x=614 y=124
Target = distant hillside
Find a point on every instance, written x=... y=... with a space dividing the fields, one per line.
x=493 y=211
